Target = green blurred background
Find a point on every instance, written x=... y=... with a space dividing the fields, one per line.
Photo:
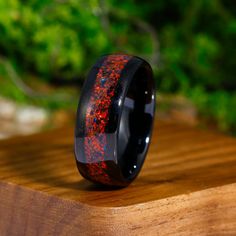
x=47 y=47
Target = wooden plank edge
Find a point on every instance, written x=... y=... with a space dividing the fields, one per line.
x=25 y=211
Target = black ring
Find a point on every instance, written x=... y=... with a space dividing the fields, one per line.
x=115 y=120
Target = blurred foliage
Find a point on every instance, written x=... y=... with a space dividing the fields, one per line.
x=190 y=43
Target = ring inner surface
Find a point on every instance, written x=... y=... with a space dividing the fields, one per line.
x=136 y=123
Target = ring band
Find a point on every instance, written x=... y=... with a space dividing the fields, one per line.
x=115 y=120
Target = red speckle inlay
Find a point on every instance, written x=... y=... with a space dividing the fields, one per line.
x=97 y=115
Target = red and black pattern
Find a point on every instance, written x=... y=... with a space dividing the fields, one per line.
x=97 y=115
x=114 y=120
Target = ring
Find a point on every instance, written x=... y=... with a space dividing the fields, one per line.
x=115 y=120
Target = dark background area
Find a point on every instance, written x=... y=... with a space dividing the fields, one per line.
x=47 y=47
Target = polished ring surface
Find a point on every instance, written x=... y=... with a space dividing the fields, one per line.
x=115 y=120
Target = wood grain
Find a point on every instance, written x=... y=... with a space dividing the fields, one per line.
x=187 y=187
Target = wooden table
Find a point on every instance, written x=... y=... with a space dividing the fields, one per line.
x=186 y=187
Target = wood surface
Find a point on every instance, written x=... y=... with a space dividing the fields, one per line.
x=186 y=187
